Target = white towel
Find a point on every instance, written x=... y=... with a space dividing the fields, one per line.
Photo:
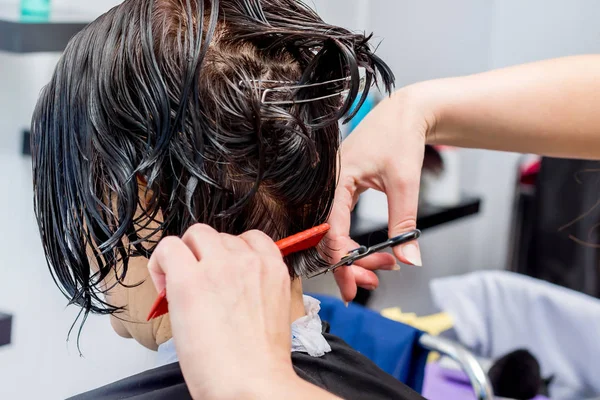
x=307 y=336
x=498 y=312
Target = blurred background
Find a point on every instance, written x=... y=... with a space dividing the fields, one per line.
x=471 y=223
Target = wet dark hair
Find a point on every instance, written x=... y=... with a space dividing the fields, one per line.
x=154 y=121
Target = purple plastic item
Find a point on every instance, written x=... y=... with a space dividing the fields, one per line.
x=443 y=384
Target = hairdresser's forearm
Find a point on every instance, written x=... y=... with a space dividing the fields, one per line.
x=550 y=108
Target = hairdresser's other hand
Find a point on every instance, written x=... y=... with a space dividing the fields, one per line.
x=229 y=305
x=384 y=153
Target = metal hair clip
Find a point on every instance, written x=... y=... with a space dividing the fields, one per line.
x=290 y=87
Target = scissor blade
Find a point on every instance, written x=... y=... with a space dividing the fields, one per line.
x=355 y=255
x=342 y=263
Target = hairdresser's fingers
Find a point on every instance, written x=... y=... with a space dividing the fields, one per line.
x=346 y=195
x=359 y=275
x=274 y=298
x=171 y=257
x=364 y=278
x=383 y=261
x=344 y=276
x=261 y=243
x=345 y=280
x=338 y=238
x=354 y=277
x=274 y=274
x=204 y=241
x=234 y=243
x=402 y=190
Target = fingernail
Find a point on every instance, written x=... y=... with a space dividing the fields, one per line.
x=346 y=304
x=371 y=288
x=397 y=267
x=389 y=267
x=412 y=254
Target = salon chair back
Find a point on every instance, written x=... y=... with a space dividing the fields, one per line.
x=398 y=349
x=393 y=346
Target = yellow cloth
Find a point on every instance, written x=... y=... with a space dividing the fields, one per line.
x=432 y=324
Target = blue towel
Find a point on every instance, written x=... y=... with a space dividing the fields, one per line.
x=393 y=346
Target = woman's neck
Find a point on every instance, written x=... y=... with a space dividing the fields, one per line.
x=297 y=309
x=162 y=327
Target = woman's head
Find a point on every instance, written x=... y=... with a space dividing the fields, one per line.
x=157 y=118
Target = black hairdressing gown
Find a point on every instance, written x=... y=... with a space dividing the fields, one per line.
x=343 y=372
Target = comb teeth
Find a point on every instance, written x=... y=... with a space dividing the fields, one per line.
x=293 y=244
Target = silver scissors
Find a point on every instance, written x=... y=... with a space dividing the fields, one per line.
x=364 y=251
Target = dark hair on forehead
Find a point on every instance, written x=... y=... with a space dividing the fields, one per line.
x=153 y=121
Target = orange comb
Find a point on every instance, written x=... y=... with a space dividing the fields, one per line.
x=293 y=244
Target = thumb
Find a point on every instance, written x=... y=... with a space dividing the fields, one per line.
x=403 y=201
x=338 y=238
x=170 y=261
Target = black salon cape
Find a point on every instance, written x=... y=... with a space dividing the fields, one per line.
x=343 y=372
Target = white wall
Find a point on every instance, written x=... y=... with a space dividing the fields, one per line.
x=93 y=8
x=40 y=364
x=351 y=14
x=523 y=31
x=540 y=29
x=432 y=39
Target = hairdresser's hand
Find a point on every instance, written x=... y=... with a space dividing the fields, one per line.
x=384 y=153
x=229 y=305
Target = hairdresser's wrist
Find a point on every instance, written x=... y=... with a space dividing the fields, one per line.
x=436 y=106
x=446 y=108
x=417 y=106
